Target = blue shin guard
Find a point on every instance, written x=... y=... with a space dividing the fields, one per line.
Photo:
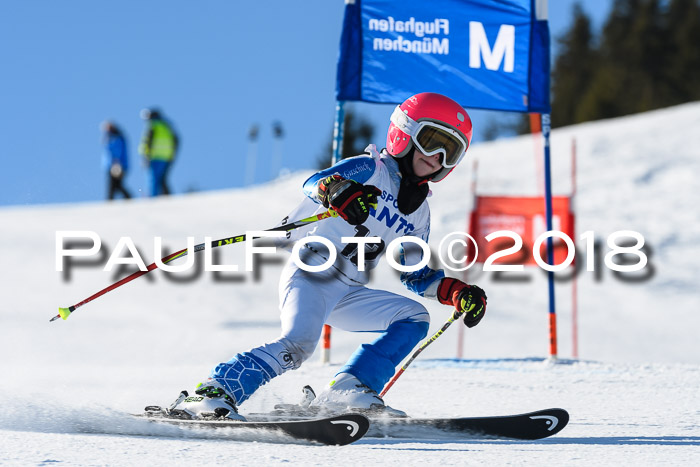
x=242 y=375
x=374 y=364
x=246 y=372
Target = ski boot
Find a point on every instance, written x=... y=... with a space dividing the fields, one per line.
x=209 y=402
x=346 y=392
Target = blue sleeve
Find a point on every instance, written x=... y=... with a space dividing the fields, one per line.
x=358 y=168
x=425 y=281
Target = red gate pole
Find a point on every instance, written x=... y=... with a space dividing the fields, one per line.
x=326 y=344
x=574 y=285
x=470 y=229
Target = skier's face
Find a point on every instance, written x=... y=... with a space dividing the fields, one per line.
x=425 y=165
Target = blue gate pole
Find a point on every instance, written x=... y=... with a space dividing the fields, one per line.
x=546 y=129
x=338 y=131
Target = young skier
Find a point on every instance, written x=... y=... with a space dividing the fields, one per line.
x=377 y=195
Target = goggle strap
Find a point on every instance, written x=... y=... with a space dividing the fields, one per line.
x=403 y=122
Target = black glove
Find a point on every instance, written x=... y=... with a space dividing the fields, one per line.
x=467 y=299
x=350 y=199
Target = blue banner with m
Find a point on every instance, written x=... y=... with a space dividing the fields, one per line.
x=488 y=54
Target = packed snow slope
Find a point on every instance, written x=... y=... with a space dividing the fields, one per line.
x=67 y=387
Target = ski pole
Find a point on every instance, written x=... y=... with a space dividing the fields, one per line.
x=65 y=312
x=455 y=316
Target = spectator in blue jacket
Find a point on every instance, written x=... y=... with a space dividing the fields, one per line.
x=115 y=160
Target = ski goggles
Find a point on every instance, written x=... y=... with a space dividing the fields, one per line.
x=432 y=138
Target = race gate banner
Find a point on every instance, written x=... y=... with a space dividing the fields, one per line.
x=488 y=54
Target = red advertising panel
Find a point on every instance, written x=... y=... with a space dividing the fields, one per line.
x=523 y=216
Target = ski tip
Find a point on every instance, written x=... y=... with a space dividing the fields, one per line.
x=554 y=419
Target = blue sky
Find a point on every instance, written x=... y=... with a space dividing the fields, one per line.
x=214 y=68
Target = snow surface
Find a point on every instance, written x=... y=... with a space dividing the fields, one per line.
x=68 y=387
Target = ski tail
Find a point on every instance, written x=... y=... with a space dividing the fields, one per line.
x=338 y=430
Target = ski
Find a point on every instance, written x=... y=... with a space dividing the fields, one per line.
x=527 y=426
x=338 y=430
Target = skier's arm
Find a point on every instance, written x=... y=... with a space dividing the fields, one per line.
x=359 y=169
x=342 y=188
x=425 y=281
x=468 y=299
x=431 y=283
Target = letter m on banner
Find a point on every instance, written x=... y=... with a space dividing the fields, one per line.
x=503 y=50
x=488 y=54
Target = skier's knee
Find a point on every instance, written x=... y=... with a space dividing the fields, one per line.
x=411 y=323
x=412 y=311
x=399 y=338
x=411 y=331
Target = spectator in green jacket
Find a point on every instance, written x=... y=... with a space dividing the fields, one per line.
x=158 y=147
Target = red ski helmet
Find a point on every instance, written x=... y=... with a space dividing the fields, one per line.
x=435 y=124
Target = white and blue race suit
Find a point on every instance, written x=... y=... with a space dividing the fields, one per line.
x=338 y=296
